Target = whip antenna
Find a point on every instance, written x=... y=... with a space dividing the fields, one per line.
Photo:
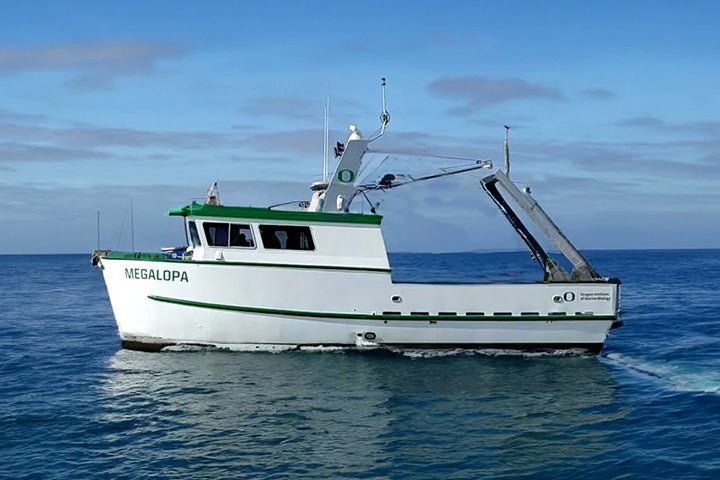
x=326 y=140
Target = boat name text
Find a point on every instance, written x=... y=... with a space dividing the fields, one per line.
x=156 y=274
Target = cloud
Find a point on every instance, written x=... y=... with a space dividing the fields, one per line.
x=70 y=213
x=476 y=92
x=96 y=64
x=429 y=144
x=659 y=159
x=598 y=94
x=12 y=116
x=305 y=141
x=655 y=124
x=647 y=122
x=17 y=152
x=103 y=136
x=90 y=136
x=283 y=106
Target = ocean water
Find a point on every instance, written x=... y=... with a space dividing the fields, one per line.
x=73 y=404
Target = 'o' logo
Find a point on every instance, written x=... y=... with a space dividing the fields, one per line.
x=346 y=176
x=569 y=296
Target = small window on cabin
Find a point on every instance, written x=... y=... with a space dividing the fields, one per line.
x=194 y=235
x=286 y=237
x=216 y=234
x=241 y=236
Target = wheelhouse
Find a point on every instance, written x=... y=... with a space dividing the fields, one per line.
x=248 y=234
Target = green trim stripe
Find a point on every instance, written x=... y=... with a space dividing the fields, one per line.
x=365 y=316
x=159 y=257
x=254 y=213
x=141 y=256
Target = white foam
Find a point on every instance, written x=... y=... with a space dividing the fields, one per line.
x=488 y=352
x=424 y=353
x=324 y=349
x=258 y=347
x=239 y=347
x=408 y=352
x=187 y=348
x=680 y=376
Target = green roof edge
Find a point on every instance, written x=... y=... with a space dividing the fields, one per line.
x=196 y=209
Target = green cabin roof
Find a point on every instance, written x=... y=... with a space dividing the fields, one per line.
x=197 y=210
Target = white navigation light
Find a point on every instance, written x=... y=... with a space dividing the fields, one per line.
x=354 y=133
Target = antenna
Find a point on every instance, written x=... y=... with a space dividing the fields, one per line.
x=507 y=151
x=98 y=230
x=384 y=115
x=132 y=226
x=326 y=140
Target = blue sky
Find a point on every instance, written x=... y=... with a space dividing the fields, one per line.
x=614 y=107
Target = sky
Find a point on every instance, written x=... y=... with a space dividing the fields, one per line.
x=131 y=108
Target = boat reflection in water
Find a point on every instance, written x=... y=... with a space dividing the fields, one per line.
x=355 y=414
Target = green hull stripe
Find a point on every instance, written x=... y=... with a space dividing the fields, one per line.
x=159 y=257
x=365 y=316
x=197 y=210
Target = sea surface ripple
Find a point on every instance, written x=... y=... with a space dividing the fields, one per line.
x=75 y=405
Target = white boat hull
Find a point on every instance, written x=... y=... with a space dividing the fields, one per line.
x=161 y=303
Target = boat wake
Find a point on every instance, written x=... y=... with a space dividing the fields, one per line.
x=406 y=352
x=256 y=347
x=489 y=352
x=680 y=376
x=266 y=348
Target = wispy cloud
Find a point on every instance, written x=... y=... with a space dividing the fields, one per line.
x=13 y=116
x=306 y=141
x=104 y=137
x=95 y=64
x=18 y=152
x=626 y=166
x=651 y=123
x=284 y=107
x=290 y=107
x=92 y=136
x=32 y=207
x=598 y=94
x=477 y=91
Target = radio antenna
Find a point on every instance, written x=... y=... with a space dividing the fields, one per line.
x=326 y=140
x=132 y=226
x=384 y=115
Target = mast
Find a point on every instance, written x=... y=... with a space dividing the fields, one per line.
x=326 y=140
x=507 y=151
x=132 y=226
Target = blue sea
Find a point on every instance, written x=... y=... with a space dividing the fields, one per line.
x=74 y=405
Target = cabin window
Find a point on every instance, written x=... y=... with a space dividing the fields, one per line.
x=286 y=237
x=194 y=236
x=216 y=234
x=241 y=236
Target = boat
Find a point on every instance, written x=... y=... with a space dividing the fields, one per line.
x=318 y=275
